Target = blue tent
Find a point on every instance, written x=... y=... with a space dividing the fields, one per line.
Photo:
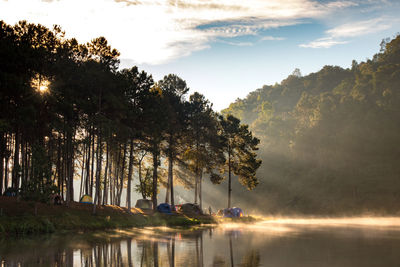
x=233 y=212
x=164 y=208
x=237 y=212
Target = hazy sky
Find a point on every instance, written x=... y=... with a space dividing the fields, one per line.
x=222 y=48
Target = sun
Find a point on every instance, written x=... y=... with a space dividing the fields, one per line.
x=40 y=84
x=43 y=88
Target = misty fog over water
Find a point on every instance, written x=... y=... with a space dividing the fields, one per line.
x=273 y=242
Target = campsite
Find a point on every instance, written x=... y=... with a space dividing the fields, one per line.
x=204 y=133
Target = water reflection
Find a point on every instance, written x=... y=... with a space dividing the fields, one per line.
x=264 y=244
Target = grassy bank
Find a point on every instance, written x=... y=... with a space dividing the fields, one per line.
x=22 y=218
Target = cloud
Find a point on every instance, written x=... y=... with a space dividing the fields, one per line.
x=360 y=28
x=272 y=38
x=238 y=43
x=323 y=43
x=158 y=31
x=335 y=36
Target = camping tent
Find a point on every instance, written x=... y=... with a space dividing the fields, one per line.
x=237 y=212
x=55 y=199
x=10 y=192
x=86 y=199
x=164 y=208
x=189 y=208
x=233 y=212
x=144 y=204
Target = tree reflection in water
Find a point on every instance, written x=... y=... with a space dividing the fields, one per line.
x=153 y=247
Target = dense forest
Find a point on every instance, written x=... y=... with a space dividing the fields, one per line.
x=329 y=140
x=68 y=113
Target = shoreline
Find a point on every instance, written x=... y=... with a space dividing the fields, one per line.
x=21 y=218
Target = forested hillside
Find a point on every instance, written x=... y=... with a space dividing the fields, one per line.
x=330 y=141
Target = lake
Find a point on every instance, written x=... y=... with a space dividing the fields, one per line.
x=278 y=242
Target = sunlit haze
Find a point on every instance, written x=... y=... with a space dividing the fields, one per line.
x=223 y=49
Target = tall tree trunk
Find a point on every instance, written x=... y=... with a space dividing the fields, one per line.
x=171 y=178
x=71 y=168
x=130 y=168
x=1 y=174
x=7 y=159
x=155 y=153
x=15 y=171
x=170 y=164
x=92 y=169
x=88 y=164
x=99 y=155
x=2 y=152
x=122 y=177
x=105 y=197
x=140 y=179
x=23 y=158
x=140 y=174
x=200 y=189
x=196 y=186
x=229 y=179
x=84 y=155
x=58 y=165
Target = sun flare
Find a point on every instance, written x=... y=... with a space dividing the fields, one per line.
x=40 y=84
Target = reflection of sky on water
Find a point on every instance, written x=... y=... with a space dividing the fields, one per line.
x=274 y=242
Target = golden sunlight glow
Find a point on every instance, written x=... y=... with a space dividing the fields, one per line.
x=40 y=84
x=43 y=88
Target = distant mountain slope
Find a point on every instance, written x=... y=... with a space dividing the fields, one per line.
x=330 y=141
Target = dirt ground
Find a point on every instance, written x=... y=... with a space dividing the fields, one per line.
x=12 y=206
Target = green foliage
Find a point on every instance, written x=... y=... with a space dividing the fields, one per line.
x=145 y=188
x=329 y=139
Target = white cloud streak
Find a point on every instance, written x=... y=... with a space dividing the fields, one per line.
x=323 y=43
x=272 y=38
x=335 y=36
x=359 y=28
x=156 y=31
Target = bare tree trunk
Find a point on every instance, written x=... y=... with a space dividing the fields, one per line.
x=23 y=157
x=130 y=168
x=200 y=187
x=6 y=172
x=15 y=174
x=171 y=179
x=155 y=176
x=122 y=177
x=229 y=180
x=140 y=175
x=84 y=155
x=88 y=164
x=99 y=154
x=105 y=176
x=58 y=166
x=71 y=168
x=170 y=164
x=92 y=168
x=2 y=152
x=196 y=186
x=1 y=174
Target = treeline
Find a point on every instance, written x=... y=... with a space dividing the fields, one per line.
x=330 y=139
x=67 y=112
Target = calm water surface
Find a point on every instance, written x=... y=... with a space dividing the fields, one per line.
x=354 y=242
